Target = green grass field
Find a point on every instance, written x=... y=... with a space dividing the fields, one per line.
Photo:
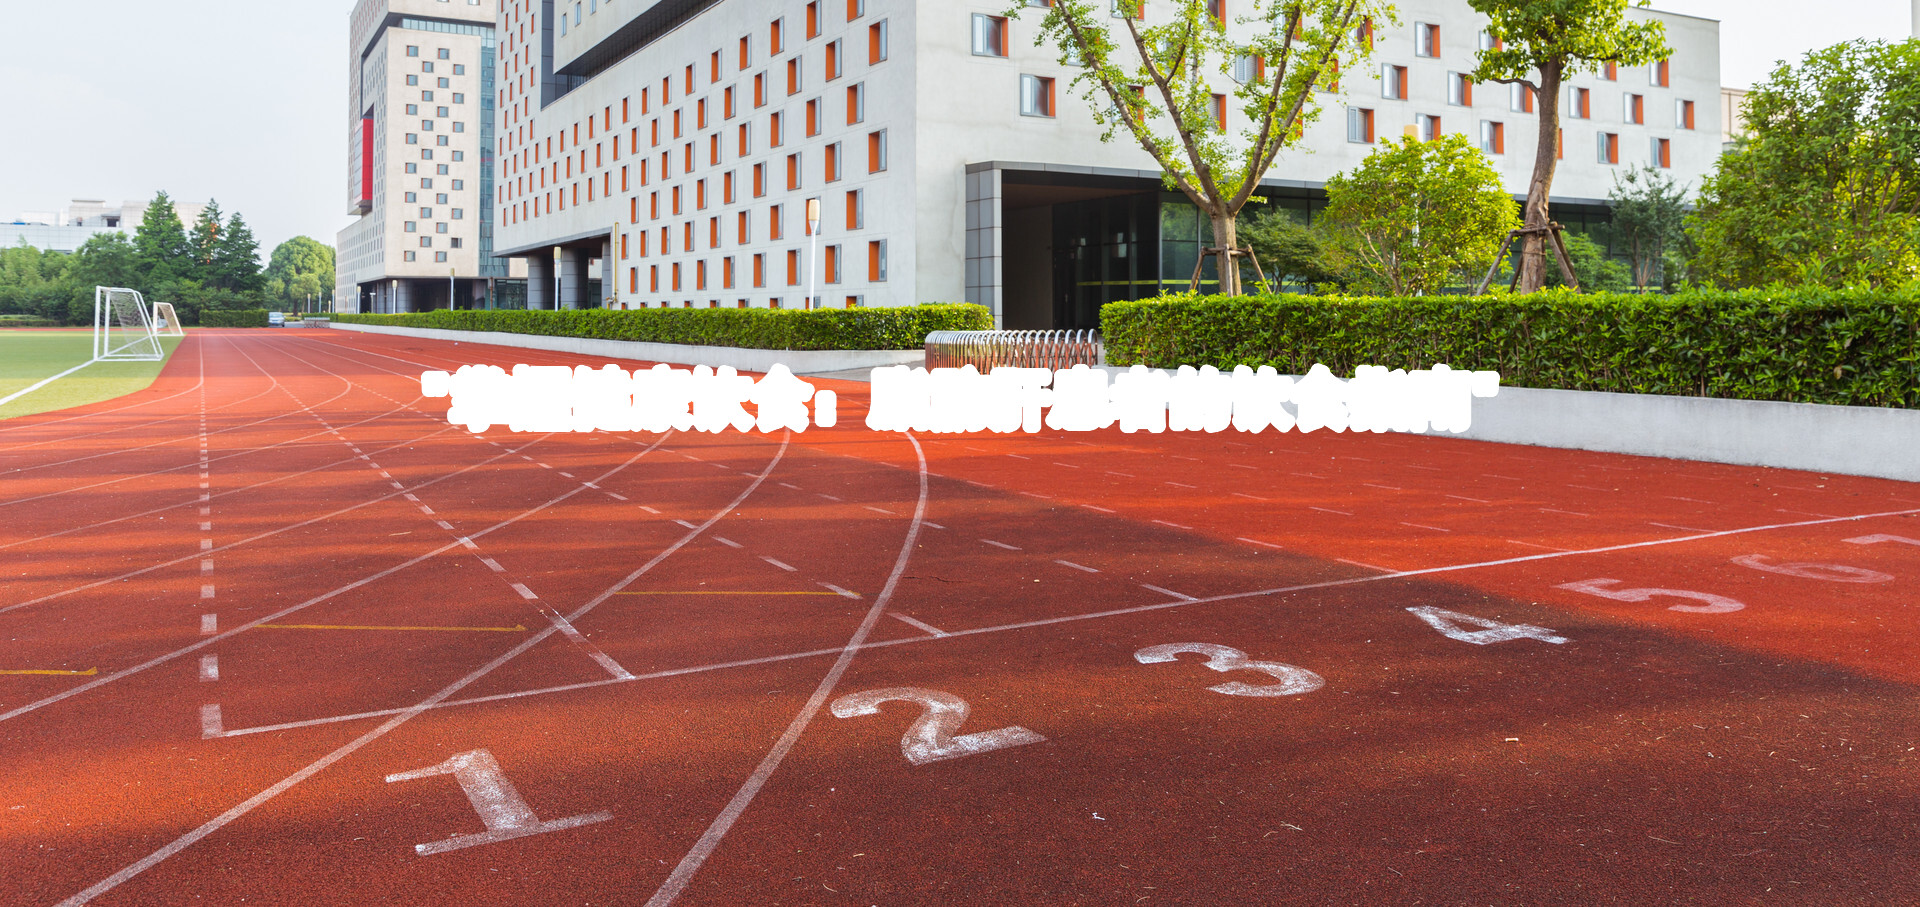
x=27 y=356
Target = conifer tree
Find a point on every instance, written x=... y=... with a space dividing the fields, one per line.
x=204 y=242
x=236 y=264
x=160 y=243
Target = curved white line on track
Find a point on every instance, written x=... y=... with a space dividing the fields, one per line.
x=677 y=880
x=218 y=822
x=42 y=424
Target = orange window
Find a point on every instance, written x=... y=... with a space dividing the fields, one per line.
x=853 y=209
x=742 y=228
x=686 y=236
x=676 y=276
x=625 y=185
x=877 y=42
x=1663 y=152
x=726 y=272
x=773 y=222
x=856 y=9
x=759 y=89
x=656 y=132
x=856 y=104
x=633 y=280
x=1364 y=34
x=774 y=46
x=726 y=103
x=1660 y=73
x=759 y=269
x=713 y=149
x=745 y=144
x=793 y=171
x=793 y=76
x=700 y=274
x=833 y=162
x=700 y=114
x=713 y=74
x=876 y=151
x=1685 y=119
x=689 y=78
x=813 y=19
x=833 y=61
x=759 y=180
x=877 y=260
x=813 y=117
x=773 y=138
x=633 y=210
x=793 y=267
x=624 y=109
x=1219 y=112
x=726 y=188
x=700 y=195
x=713 y=232
x=677 y=124
x=832 y=267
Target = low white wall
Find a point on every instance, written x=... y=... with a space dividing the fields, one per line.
x=800 y=362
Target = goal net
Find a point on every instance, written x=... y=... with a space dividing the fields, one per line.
x=122 y=327
x=165 y=322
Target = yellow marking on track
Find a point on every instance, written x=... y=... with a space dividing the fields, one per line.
x=513 y=629
x=86 y=673
x=705 y=592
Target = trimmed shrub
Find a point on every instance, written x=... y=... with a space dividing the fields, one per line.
x=233 y=318
x=878 y=328
x=1803 y=345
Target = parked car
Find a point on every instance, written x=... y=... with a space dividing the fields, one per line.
x=276 y=319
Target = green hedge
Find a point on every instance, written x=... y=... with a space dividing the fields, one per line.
x=233 y=318
x=879 y=328
x=1808 y=345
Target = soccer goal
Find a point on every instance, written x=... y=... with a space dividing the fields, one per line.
x=165 y=322
x=122 y=326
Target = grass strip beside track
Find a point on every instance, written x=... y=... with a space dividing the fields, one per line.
x=28 y=357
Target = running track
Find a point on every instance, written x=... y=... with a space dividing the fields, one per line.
x=330 y=650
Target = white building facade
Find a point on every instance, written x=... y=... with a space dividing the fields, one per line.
x=420 y=163
x=85 y=218
x=681 y=143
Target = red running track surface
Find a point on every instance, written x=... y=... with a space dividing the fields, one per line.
x=678 y=669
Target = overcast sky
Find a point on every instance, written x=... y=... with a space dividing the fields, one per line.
x=245 y=102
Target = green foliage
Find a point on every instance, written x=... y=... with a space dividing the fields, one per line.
x=1156 y=82
x=1596 y=272
x=232 y=318
x=1649 y=217
x=302 y=267
x=1291 y=253
x=1416 y=217
x=203 y=243
x=162 y=244
x=878 y=328
x=236 y=266
x=1808 y=345
x=1826 y=189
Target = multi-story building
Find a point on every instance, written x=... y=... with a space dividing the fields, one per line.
x=949 y=158
x=420 y=158
x=83 y=219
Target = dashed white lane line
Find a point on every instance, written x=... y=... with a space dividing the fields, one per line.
x=844 y=592
x=567 y=474
x=1100 y=509
x=444 y=525
x=1162 y=591
x=1179 y=457
x=648 y=509
x=730 y=543
x=1809 y=513
x=492 y=564
x=1001 y=545
x=1075 y=566
x=777 y=563
x=1174 y=525
x=931 y=525
x=1387 y=487
x=206 y=527
x=1686 y=528
x=1508 y=478
x=1675 y=497
x=827 y=496
x=210 y=724
x=209 y=668
x=1591 y=488
x=1425 y=526
x=426 y=510
x=468 y=544
x=788 y=485
x=687 y=525
x=1034 y=495
x=917 y=624
x=209 y=624
x=1019 y=457
x=1182 y=485
x=1067 y=465
x=1306 y=475
x=1124 y=475
x=1249 y=497
x=880 y=510
x=1329 y=510
x=618 y=497
x=1427 y=468
x=206 y=544
x=1462 y=497
x=525 y=592
x=206 y=566
x=1567 y=512
x=1243 y=466
x=1260 y=543
x=206 y=590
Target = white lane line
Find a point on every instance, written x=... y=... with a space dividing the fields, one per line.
x=1806 y=512
x=211 y=726
x=1424 y=526
x=1532 y=545
x=209 y=668
x=1100 y=509
x=1034 y=495
x=1307 y=475
x=1249 y=497
x=1182 y=485
x=847 y=593
x=544 y=466
x=525 y=592
x=1675 y=497
x=931 y=524
x=468 y=543
x=649 y=510
x=784 y=566
x=1591 y=488
x=1174 y=525
x=923 y=626
x=1075 y=566
x=206 y=566
x=1463 y=497
x=1686 y=528
x=1428 y=468
x=880 y=510
x=426 y=510
x=1368 y=566
x=1567 y=512
x=567 y=474
x=206 y=526
x=409 y=496
x=1001 y=545
x=209 y=624
x=206 y=544
x=1019 y=457
x=1508 y=478
x=827 y=496
x=1073 y=618
x=206 y=590
x=786 y=485
x=1242 y=466
x=730 y=543
x=42 y=383
x=1169 y=592
x=616 y=496
x=492 y=564
x=1328 y=510
x=710 y=841
x=1067 y=465
x=1124 y=475
x=444 y=525
x=1179 y=457
x=1387 y=487
x=591 y=485
x=687 y=525
x=1260 y=543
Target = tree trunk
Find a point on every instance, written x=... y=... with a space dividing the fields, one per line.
x=1225 y=237
x=1533 y=246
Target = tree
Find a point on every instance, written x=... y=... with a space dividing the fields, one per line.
x=1557 y=39
x=1649 y=215
x=1415 y=216
x=1596 y=271
x=236 y=262
x=1291 y=252
x=203 y=243
x=1161 y=90
x=297 y=258
x=161 y=243
x=1826 y=189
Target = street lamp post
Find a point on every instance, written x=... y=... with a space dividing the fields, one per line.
x=813 y=249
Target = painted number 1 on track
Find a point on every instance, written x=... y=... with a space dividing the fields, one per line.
x=506 y=815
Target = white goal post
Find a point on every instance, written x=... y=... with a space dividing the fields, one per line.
x=122 y=326
x=165 y=322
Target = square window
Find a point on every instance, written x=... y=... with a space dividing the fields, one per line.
x=440 y=227
x=1459 y=89
x=459 y=185
x=426 y=242
x=440 y=140
x=443 y=82
x=455 y=242
x=1426 y=39
x=1493 y=137
x=1393 y=81
x=425 y=94
x=1036 y=96
x=1429 y=127
x=426 y=67
x=442 y=168
x=1360 y=125
x=411 y=167
x=413 y=79
x=459 y=98
x=440 y=257
x=458 y=156
x=408 y=256
x=989 y=35
x=413 y=139
x=413 y=109
x=440 y=199
x=413 y=50
x=426 y=213
x=411 y=199
x=459 y=69
x=439 y=111
x=411 y=227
